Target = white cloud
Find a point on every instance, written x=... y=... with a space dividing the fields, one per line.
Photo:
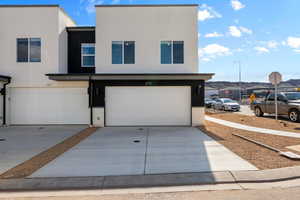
x=90 y=5
x=237 y=5
x=239 y=50
x=214 y=34
x=211 y=51
x=206 y=59
x=297 y=50
x=234 y=31
x=272 y=44
x=293 y=42
x=246 y=30
x=205 y=12
x=261 y=49
x=238 y=31
x=215 y=49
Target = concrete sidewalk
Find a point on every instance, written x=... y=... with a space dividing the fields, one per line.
x=252 y=128
x=216 y=180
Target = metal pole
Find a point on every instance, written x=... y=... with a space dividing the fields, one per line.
x=276 y=106
x=240 y=82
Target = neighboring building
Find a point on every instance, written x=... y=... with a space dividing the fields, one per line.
x=136 y=67
x=211 y=92
x=232 y=93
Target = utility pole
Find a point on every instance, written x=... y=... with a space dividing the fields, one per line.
x=240 y=81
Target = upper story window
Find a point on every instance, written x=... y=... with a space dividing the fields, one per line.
x=123 y=52
x=28 y=49
x=171 y=52
x=88 y=55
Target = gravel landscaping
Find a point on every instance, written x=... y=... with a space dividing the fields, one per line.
x=261 y=122
x=260 y=157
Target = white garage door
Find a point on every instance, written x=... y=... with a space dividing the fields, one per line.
x=148 y=106
x=49 y=106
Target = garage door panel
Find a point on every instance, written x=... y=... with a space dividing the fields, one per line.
x=49 y=106
x=148 y=106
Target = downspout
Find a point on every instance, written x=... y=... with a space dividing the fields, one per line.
x=91 y=101
x=4 y=101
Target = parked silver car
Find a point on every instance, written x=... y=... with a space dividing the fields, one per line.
x=226 y=105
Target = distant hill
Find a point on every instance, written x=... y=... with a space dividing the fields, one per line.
x=226 y=84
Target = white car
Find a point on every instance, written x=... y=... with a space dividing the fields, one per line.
x=227 y=105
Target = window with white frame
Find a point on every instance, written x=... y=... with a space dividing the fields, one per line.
x=28 y=49
x=88 y=55
x=171 y=52
x=123 y=52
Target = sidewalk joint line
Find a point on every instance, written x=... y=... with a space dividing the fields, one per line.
x=146 y=151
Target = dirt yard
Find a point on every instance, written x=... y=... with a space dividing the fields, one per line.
x=262 y=158
x=261 y=122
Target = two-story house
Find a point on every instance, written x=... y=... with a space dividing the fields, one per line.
x=137 y=67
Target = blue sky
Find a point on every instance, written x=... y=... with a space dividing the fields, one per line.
x=264 y=35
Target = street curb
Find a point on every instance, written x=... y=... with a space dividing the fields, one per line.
x=147 y=181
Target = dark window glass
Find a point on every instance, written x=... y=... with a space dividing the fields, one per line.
x=88 y=55
x=271 y=97
x=129 y=52
x=166 y=52
x=178 y=52
x=35 y=50
x=88 y=61
x=117 y=52
x=88 y=49
x=22 y=50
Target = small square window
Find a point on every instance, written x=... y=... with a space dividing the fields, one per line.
x=171 y=52
x=29 y=50
x=123 y=52
x=88 y=55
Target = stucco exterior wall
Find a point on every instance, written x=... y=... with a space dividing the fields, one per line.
x=198 y=116
x=64 y=21
x=28 y=22
x=147 y=26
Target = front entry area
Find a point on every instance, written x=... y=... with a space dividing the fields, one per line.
x=148 y=106
x=136 y=151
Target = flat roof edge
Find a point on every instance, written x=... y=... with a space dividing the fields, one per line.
x=149 y=5
x=5 y=78
x=106 y=76
x=81 y=28
x=128 y=74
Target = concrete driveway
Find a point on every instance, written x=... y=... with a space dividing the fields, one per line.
x=136 y=151
x=23 y=142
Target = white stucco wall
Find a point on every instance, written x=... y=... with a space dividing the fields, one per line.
x=28 y=22
x=64 y=21
x=198 y=116
x=98 y=117
x=29 y=85
x=147 y=26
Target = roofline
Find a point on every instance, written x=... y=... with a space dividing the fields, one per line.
x=30 y=5
x=114 y=76
x=63 y=11
x=81 y=28
x=149 y=5
x=38 y=6
x=125 y=74
x=5 y=78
